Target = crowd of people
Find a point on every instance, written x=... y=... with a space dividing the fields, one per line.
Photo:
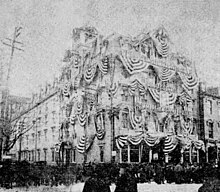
x=104 y=174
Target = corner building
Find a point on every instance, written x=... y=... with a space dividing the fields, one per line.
x=127 y=100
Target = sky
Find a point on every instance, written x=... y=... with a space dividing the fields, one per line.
x=193 y=27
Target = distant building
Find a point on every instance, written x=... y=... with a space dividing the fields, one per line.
x=210 y=121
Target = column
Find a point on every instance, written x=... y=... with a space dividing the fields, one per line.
x=190 y=154
x=120 y=155
x=150 y=155
x=197 y=155
x=166 y=158
x=129 y=154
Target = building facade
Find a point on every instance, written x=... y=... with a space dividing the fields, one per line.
x=210 y=121
x=119 y=99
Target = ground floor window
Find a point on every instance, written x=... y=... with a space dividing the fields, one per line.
x=130 y=153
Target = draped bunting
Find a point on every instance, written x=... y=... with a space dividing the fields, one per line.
x=82 y=119
x=184 y=98
x=167 y=98
x=151 y=141
x=135 y=140
x=72 y=119
x=75 y=60
x=199 y=144
x=89 y=72
x=136 y=121
x=166 y=74
x=121 y=141
x=155 y=94
x=136 y=85
x=113 y=89
x=104 y=65
x=79 y=108
x=132 y=65
x=162 y=47
x=85 y=143
x=169 y=144
x=189 y=81
x=66 y=89
x=100 y=128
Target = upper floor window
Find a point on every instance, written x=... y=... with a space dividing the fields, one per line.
x=210 y=127
x=209 y=106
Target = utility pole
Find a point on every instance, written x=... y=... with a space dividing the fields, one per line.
x=12 y=44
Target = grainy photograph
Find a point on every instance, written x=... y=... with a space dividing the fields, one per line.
x=109 y=95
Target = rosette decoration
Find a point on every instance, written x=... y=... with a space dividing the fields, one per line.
x=82 y=118
x=135 y=120
x=166 y=74
x=121 y=141
x=170 y=144
x=100 y=126
x=85 y=143
x=89 y=73
x=155 y=94
x=104 y=65
x=190 y=81
x=113 y=89
x=136 y=85
x=133 y=64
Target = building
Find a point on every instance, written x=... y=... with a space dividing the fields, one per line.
x=38 y=128
x=129 y=100
x=119 y=99
x=210 y=121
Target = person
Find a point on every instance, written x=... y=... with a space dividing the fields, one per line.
x=122 y=181
x=178 y=173
x=132 y=181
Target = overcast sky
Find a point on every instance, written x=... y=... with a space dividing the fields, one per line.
x=193 y=27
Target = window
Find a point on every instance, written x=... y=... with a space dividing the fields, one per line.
x=134 y=153
x=45 y=154
x=52 y=155
x=124 y=119
x=27 y=139
x=101 y=153
x=209 y=106
x=45 y=134
x=38 y=154
x=32 y=155
x=210 y=126
x=53 y=133
x=32 y=137
x=39 y=134
x=124 y=154
x=46 y=119
x=29 y=156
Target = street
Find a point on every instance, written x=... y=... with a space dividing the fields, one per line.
x=145 y=187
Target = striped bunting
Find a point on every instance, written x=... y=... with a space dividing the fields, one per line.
x=66 y=89
x=113 y=89
x=136 y=85
x=121 y=141
x=184 y=98
x=79 y=108
x=189 y=81
x=104 y=65
x=82 y=119
x=151 y=141
x=89 y=72
x=72 y=119
x=132 y=65
x=84 y=143
x=169 y=144
x=162 y=47
x=199 y=144
x=166 y=74
x=135 y=140
x=155 y=94
x=136 y=121
x=75 y=60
